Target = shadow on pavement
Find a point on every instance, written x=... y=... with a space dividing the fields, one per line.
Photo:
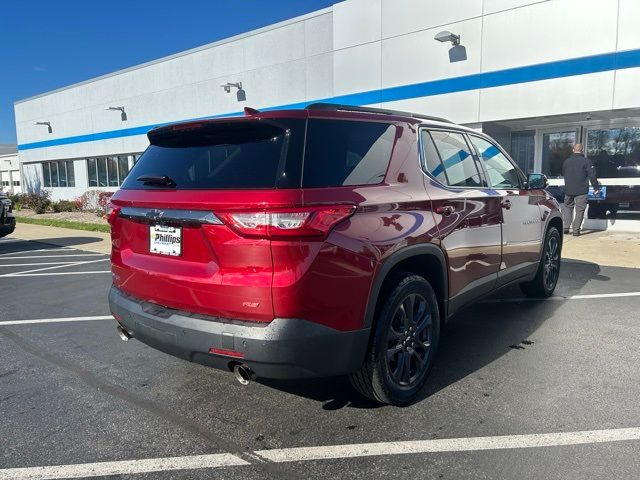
x=575 y=274
x=19 y=245
x=471 y=340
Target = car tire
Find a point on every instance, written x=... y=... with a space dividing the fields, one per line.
x=546 y=279
x=403 y=344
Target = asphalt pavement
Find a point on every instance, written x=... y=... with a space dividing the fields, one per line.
x=515 y=387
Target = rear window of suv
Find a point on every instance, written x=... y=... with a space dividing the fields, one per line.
x=266 y=154
x=233 y=155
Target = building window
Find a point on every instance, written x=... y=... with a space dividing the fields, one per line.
x=615 y=152
x=71 y=174
x=123 y=168
x=58 y=174
x=91 y=171
x=556 y=148
x=523 y=145
x=102 y=171
x=46 y=175
x=109 y=171
x=62 y=174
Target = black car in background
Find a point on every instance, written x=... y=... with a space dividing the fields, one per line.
x=7 y=220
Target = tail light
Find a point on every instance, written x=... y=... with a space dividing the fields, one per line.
x=312 y=222
x=111 y=212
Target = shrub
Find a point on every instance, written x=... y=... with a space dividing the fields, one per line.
x=103 y=200
x=38 y=201
x=18 y=200
x=40 y=205
x=89 y=200
x=64 y=206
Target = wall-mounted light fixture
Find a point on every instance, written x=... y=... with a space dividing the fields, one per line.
x=447 y=36
x=241 y=94
x=457 y=52
x=123 y=114
x=48 y=124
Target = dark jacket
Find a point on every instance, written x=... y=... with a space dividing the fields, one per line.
x=577 y=171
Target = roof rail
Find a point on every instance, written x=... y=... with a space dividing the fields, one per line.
x=381 y=111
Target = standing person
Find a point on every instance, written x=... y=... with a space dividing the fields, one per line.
x=577 y=171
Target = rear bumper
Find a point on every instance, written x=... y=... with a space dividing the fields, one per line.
x=284 y=348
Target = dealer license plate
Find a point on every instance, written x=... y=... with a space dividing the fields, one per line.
x=165 y=240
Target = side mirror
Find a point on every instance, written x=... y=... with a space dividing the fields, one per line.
x=537 y=181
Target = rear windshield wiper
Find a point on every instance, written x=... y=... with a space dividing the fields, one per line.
x=158 y=180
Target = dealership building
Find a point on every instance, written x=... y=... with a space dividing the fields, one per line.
x=9 y=169
x=536 y=75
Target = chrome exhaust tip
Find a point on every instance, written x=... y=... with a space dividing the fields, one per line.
x=244 y=374
x=122 y=333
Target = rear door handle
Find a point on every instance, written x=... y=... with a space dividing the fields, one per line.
x=506 y=204
x=445 y=210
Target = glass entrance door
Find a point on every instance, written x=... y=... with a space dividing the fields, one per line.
x=556 y=148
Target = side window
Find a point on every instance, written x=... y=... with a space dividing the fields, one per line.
x=502 y=173
x=456 y=160
x=340 y=152
x=432 y=162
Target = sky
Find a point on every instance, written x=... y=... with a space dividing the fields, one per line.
x=47 y=44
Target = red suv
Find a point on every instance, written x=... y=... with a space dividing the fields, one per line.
x=326 y=241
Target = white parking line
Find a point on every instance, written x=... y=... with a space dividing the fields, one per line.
x=109 y=317
x=55 y=320
x=560 y=298
x=34 y=264
x=126 y=467
x=55 y=256
x=329 y=452
x=57 y=249
x=450 y=445
x=73 y=264
x=53 y=274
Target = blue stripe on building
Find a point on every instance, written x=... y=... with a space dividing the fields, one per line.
x=512 y=76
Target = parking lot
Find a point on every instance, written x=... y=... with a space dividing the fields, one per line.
x=521 y=389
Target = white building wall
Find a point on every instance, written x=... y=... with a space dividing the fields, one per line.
x=10 y=173
x=357 y=46
x=542 y=33
x=627 y=81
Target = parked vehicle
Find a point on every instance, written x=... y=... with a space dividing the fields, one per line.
x=7 y=220
x=326 y=241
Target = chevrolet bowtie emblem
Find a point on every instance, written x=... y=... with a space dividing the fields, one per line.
x=154 y=214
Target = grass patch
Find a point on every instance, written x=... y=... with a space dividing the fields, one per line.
x=49 y=222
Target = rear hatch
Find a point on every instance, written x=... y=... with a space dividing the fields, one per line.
x=218 y=217
x=188 y=227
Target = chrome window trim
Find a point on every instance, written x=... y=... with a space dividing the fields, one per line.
x=192 y=217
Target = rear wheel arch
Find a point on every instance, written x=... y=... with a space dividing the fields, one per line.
x=555 y=221
x=427 y=261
